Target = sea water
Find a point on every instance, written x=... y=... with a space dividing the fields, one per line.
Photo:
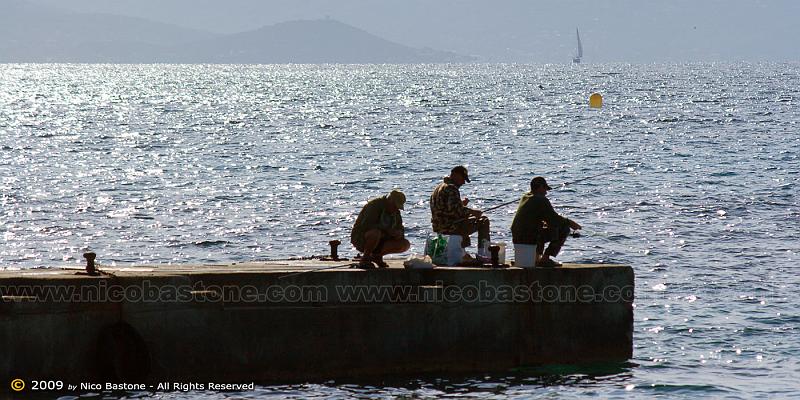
x=164 y=164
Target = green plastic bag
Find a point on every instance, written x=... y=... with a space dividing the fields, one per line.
x=436 y=248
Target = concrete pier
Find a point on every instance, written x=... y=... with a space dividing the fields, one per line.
x=289 y=321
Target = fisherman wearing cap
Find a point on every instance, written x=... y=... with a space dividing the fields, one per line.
x=537 y=223
x=379 y=229
x=450 y=215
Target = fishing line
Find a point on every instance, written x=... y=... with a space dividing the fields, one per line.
x=348 y=265
x=563 y=185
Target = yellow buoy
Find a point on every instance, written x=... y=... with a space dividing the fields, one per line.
x=596 y=100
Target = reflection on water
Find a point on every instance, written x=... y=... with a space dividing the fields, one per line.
x=201 y=163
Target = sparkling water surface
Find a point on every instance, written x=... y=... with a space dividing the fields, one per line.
x=167 y=164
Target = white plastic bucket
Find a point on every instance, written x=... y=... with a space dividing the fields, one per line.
x=455 y=253
x=501 y=255
x=525 y=255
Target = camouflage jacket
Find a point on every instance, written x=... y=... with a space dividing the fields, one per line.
x=446 y=207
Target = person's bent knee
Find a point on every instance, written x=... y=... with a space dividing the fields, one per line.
x=374 y=234
x=395 y=246
x=400 y=245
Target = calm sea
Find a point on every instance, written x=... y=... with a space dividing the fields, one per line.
x=203 y=163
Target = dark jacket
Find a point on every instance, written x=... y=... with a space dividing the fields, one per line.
x=374 y=215
x=533 y=210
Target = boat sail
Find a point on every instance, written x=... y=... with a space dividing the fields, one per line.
x=579 y=54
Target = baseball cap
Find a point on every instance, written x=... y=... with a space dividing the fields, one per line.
x=461 y=170
x=539 y=181
x=398 y=198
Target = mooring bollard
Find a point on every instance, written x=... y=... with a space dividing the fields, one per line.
x=334 y=249
x=495 y=250
x=90 y=267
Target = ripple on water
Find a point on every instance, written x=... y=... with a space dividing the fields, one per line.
x=230 y=163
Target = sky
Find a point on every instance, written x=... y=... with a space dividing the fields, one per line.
x=639 y=31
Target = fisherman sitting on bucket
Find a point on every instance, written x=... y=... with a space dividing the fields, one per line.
x=379 y=230
x=450 y=215
x=537 y=223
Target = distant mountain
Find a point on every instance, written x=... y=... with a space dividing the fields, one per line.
x=38 y=33
x=34 y=33
x=521 y=31
x=316 y=41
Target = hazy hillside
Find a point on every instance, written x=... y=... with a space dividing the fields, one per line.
x=516 y=30
x=315 y=41
x=33 y=33
x=40 y=33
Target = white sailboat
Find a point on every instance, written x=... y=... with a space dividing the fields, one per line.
x=577 y=58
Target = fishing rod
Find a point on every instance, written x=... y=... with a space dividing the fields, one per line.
x=582 y=232
x=562 y=185
x=316 y=270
